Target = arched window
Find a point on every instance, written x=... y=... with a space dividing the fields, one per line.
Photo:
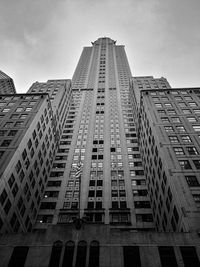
x=55 y=254
x=94 y=254
x=69 y=254
x=81 y=254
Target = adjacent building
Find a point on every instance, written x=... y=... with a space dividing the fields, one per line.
x=6 y=84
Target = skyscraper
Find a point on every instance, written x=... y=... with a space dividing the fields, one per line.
x=120 y=180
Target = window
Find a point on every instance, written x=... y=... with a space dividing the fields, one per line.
x=165 y=119
x=167 y=257
x=81 y=254
x=131 y=255
x=197 y=164
x=28 y=109
x=144 y=218
x=175 y=119
x=197 y=111
x=6 y=110
x=19 y=110
x=171 y=111
x=168 y=105
x=11 y=180
x=3 y=133
x=179 y=151
x=55 y=254
x=192 y=150
x=158 y=105
x=180 y=128
x=196 y=128
x=196 y=198
x=186 y=138
x=192 y=104
x=12 y=133
x=6 y=143
x=18 y=166
x=3 y=197
x=189 y=256
x=192 y=119
x=18 y=256
x=173 y=139
x=94 y=254
x=192 y=180
x=69 y=253
x=186 y=111
x=182 y=104
x=185 y=164
x=169 y=129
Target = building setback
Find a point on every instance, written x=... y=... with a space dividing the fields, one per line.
x=120 y=181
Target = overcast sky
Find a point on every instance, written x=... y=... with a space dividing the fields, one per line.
x=43 y=39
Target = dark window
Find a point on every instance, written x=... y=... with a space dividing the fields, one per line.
x=98 y=205
x=18 y=257
x=131 y=255
x=99 y=182
x=190 y=257
x=81 y=254
x=167 y=257
x=3 y=197
x=55 y=254
x=197 y=164
x=68 y=255
x=1 y=223
x=90 y=205
x=192 y=180
x=48 y=205
x=115 y=205
x=94 y=254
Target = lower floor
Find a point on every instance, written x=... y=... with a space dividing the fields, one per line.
x=99 y=246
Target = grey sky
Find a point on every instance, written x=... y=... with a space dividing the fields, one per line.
x=43 y=39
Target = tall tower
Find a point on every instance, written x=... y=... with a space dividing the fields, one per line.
x=100 y=132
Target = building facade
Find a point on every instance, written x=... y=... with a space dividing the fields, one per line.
x=29 y=136
x=114 y=178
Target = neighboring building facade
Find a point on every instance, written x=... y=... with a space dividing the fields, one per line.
x=169 y=130
x=6 y=84
x=29 y=135
x=136 y=143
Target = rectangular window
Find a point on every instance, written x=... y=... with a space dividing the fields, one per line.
x=189 y=256
x=169 y=129
x=192 y=150
x=186 y=138
x=18 y=256
x=185 y=164
x=173 y=139
x=175 y=119
x=179 y=151
x=167 y=257
x=180 y=128
x=165 y=119
x=131 y=255
x=192 y=180
x=197 y=164
x=192 y=119
x=186 y=111
x=196 y=128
